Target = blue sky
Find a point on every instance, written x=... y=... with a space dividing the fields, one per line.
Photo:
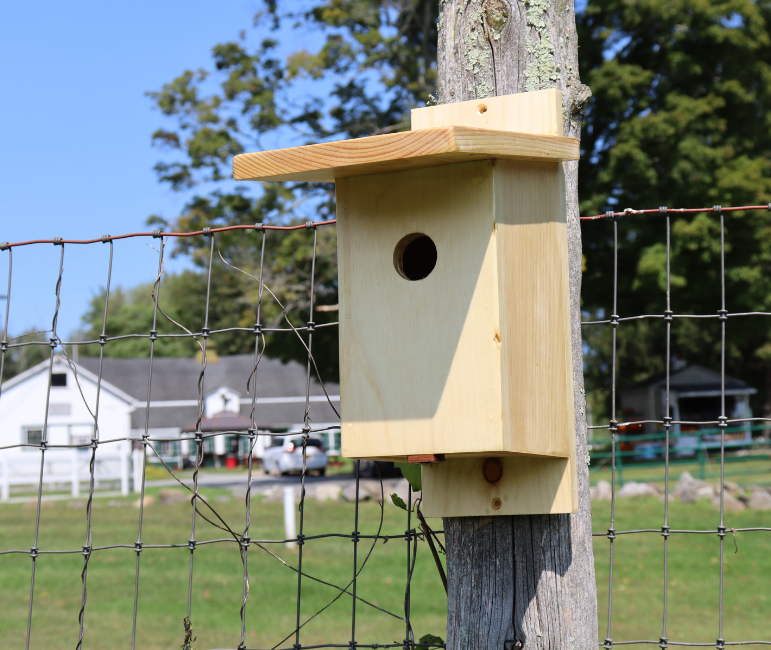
x=76 y=157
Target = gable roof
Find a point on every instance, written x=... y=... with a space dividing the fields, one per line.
x=177 y=378
x=280 y=389
x=694 y=378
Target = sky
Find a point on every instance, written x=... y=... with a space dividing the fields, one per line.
x=75 y=129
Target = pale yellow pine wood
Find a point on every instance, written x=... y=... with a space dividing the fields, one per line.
x=538 y=112
x=420 y=368
x=413 y=149
x=457 y=488
x=534 y=300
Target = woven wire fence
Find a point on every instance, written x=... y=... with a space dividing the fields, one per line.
x=203 y=509
x=723 y=422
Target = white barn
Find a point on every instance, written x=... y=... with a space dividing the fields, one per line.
x=124 y=412
x=71 y=421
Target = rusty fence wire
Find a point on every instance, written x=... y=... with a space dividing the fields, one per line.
x=664 y=216
x=240 y=538
x=202 y=509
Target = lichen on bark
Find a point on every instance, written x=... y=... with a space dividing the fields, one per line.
x=477 y=56
x=542 y=71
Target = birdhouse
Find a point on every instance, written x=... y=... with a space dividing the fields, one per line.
x=455 y=331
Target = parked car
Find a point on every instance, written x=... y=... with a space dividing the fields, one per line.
x=285 y=456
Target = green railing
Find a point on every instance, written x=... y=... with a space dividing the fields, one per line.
x=649 y=451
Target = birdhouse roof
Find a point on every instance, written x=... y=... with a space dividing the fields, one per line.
x=323 y=163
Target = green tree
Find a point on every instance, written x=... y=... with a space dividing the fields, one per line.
x=680 y=116
x=374 y=61
x=18 y=359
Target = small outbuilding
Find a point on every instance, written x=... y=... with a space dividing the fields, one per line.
x=694 y=396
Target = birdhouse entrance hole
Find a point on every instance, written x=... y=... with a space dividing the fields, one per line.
x=415 y=256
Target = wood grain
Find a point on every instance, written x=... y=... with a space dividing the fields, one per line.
x=457 y=488
x=420 y=365
x=444 y=145
x=522 y=581
x=538 y=112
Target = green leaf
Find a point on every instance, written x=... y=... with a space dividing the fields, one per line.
x=411 y=471
x=398 y=501
x=430 y=638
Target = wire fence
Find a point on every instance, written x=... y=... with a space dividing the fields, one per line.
x=203 y=509
x=246 y=546
x=668 y=423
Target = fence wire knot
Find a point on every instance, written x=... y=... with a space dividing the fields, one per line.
x=105 y=239
x=608 y=644
x=57 y=241
x=4 y=246
x=663 y=642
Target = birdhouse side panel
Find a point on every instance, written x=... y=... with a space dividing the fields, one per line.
x=535 y=308
x=420 y=359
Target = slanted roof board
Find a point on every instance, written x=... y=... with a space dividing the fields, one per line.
x=323 y=163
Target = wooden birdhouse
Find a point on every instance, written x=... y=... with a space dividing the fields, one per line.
x=454 y=301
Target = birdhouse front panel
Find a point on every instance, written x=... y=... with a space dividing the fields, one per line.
x=421 y=347
x=453 y=322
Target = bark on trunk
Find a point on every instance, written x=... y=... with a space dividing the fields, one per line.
x=525 y=581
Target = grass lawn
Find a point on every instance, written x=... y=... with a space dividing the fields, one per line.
x=693 y=573
x=745 y=470
x=638 y=577
x=217 y=581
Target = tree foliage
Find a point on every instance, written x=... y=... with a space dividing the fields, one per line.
x=373 y=60
x=680 y=116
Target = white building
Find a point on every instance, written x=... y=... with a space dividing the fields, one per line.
x=70 y=422
x=169 y=416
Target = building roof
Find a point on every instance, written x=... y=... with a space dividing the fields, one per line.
x=695 y=379
x=280 y=389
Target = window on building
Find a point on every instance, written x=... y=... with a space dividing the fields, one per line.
x=168 y=447
x=32 y=436
x=58 y=379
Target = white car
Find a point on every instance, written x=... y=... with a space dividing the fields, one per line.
x=285 y=456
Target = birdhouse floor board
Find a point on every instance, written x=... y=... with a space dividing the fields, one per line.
x=527 y=486
x=444 y=145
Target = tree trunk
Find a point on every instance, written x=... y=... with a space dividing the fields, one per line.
x=523 y=581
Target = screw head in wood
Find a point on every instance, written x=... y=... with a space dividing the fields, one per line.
x=492 y=470
x=496 y=503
